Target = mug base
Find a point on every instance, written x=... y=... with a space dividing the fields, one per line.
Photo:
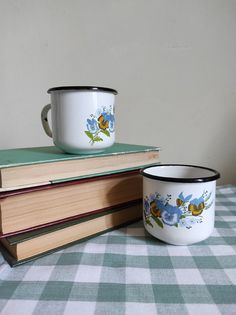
x=179 y=240
x=77 y=151
x=84 y=152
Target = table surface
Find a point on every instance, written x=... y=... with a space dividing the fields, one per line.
x=126 y=271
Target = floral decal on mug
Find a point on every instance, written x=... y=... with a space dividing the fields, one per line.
x=100 y=125
x=185 y=212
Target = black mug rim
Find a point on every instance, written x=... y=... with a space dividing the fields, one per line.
x=214 y=177
x=83 y=88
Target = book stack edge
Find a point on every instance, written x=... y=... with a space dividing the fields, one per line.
x=49 y=199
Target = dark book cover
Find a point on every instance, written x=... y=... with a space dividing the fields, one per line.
x=16 y=239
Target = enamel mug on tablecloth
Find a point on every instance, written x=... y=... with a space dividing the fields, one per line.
x=179 y=202
x=82 y=118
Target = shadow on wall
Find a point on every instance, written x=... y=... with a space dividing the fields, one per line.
x=222 y=149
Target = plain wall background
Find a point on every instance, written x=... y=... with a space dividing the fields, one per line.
x=173 y=63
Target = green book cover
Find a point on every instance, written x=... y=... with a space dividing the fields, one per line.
x=39 y=155
x=27 y=167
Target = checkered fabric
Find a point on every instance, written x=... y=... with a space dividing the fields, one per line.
x=129 y=272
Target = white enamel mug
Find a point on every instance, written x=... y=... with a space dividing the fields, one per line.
x=179 y=202
x=82 y=118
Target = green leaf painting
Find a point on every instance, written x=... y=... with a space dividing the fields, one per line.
x=89 y=134
x=106 y=132
x=158 y=222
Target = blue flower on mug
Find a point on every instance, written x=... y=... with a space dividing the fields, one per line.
x=186 y=211
x=196 y=206
x=146 y=207
x=103 y=121
x=181 y=200
x=106 y=115
x=100 y=126
x=92 y=125
x=111 y=122
x=171 y=214
x=189 y=221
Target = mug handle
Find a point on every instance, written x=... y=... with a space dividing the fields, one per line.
x=44 y=120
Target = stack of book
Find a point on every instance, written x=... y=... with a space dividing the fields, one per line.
x=49 y=199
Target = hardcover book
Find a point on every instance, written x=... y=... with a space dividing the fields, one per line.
x=34 y=207
x=38 y=166
x=31 y=245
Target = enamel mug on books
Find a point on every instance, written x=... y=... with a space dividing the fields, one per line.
x=179 y=202
x=83 y=118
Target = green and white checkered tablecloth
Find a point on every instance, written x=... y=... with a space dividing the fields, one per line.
x=129 y=272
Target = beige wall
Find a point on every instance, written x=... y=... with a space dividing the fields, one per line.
x=173 y=63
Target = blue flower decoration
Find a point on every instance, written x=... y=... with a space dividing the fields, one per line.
x=197 y=201
x=160 y=205
x=106 y=115
x=170 y=214
x=146 y=207
x=92 y=125
x=152 y=197
x=188 y=222
x=184 y=199
x=111 y=122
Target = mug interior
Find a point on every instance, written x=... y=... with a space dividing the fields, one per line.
x=180 y=173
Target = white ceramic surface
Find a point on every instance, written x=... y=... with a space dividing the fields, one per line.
x=82 y=118
x=179 y=202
